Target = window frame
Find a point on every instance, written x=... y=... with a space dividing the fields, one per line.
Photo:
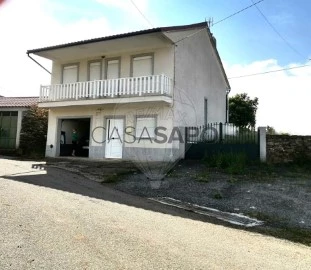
x=142 y=55
x=106 y=66
x=68 y=65
x=89 y=68
x=152 y=136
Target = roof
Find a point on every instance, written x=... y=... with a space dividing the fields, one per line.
x=138 y=33
x=18 y=102
x=124 y=35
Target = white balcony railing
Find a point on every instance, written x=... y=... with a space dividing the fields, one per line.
x=113 y=88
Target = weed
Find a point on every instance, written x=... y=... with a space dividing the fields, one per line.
x=232 y=180
x=203 y=177
x=230 y=162
x=113 y=178
x=218 y=196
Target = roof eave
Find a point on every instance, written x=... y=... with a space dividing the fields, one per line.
x=118 y=36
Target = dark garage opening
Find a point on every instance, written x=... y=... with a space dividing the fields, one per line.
x=82 y=126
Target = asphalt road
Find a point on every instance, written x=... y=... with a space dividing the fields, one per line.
x=52 y=219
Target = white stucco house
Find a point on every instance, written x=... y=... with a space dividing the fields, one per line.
x=130 y=95
x=11 y=114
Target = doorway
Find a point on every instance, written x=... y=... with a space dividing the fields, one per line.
x=114 y=138
x=82 y=127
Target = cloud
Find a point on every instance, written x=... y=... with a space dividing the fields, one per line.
x=284 y=97
x=134 y=10
x=126 y=4
x=36 y=23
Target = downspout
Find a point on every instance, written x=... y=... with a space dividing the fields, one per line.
x=39 y=64
x=227 y=104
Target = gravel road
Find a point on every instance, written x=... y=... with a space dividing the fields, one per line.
x=58 y=220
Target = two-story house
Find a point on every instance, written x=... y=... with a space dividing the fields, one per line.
x=130 y=95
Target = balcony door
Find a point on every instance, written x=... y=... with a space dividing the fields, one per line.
x=95 y=71
x=113 y=74
x=70 y=77
x=142 y=66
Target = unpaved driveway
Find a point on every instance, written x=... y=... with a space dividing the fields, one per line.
x=57 y=220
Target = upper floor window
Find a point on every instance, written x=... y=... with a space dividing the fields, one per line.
x=142 y=65
x=95 y=70
x=70 y=73
x=113 y=68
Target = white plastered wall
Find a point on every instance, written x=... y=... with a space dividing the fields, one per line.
x=163 y=64
x=198 y=75
x=99 y=115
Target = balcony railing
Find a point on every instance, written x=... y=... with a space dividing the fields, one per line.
x=113 y=88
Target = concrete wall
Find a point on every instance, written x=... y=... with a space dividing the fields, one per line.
x=198 y=75
x=286 y=148
x=163 y=64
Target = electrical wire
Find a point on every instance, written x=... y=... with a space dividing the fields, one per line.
x=267 y=72
x=220 y=20
x=142 y=14
x=254 y=4
x=276 y=31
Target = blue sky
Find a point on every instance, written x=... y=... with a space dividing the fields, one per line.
x=246 y=43
x=243 y=38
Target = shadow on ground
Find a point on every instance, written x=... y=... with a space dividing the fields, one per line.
x=72 y=182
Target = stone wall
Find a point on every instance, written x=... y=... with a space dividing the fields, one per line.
x=286 y=148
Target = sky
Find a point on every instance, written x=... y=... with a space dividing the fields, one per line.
x=273 y=35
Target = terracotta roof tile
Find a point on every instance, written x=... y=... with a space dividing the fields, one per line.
x=9 y=102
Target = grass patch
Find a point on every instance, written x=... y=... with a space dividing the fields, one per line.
x=278 y=227
x=218 y=196
x=116 y=177
x=203 y=177
x=113 y=178
x=232 y=163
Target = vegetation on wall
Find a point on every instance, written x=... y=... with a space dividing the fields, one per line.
x=34 y=130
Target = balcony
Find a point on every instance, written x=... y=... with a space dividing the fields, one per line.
x=133 y=89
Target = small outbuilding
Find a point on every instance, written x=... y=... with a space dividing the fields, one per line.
x=12 y=110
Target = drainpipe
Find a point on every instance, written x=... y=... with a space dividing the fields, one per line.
x=38 y=64
x=227 y=104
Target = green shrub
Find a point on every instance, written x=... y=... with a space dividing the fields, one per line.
x=33 y=132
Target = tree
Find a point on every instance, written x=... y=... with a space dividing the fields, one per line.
x=242 y=110
x=271 y=130
x=34 y=130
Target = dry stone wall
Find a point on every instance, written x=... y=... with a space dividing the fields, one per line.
x=286 y=148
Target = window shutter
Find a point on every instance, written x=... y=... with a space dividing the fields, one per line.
x=95 y=71
x=142 y=66
x=113 y=69
x=70 y=74
x=143 y=124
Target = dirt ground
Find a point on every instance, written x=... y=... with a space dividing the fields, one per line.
x=278 y=195
x=281 y=197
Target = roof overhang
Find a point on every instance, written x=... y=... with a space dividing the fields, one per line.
x=103 y=47
x=139 y=40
